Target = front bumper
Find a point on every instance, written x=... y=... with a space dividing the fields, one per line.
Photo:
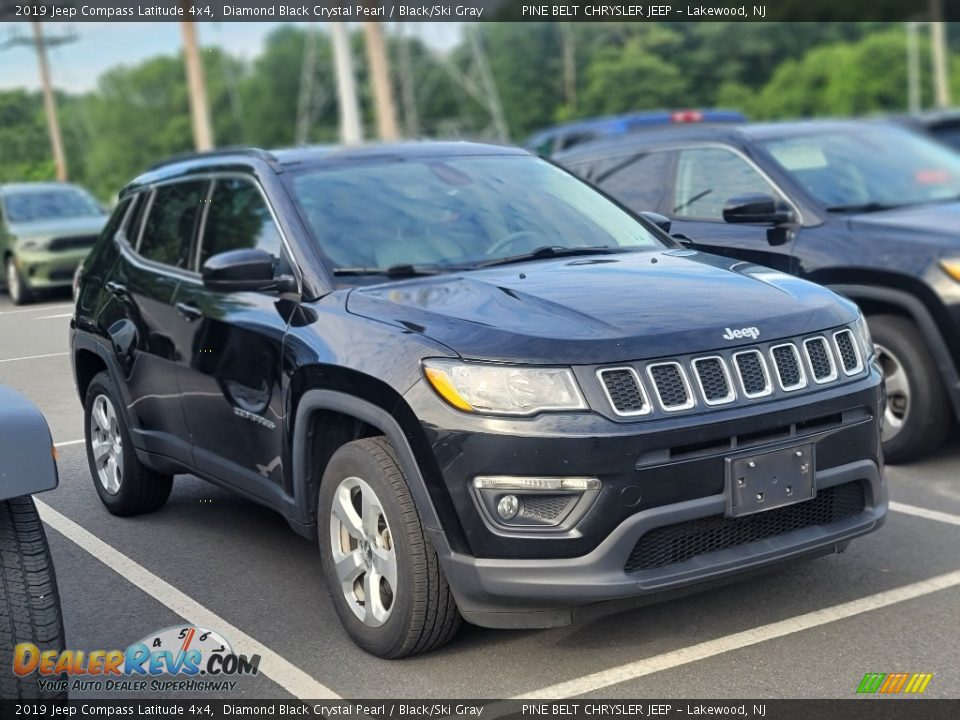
x=505 y=578
x=49 y=269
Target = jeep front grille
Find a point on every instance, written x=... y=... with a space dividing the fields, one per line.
x=752 y=370
x=696 y=383
x=671 y=386
x=849 y=353
x=624 y=391
x=677 y=543
x=786 y=360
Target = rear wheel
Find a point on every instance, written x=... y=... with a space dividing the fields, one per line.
x=29 y=600
x=384 y=576
x=17 y=287
x=917 y=416
x=124 y=484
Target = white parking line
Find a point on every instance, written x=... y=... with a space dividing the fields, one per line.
x=711 y=648
x=926 y=514
x=65 y=443
x=33 y=357
x=51 y=317
x=35 y=309
x=284 y=673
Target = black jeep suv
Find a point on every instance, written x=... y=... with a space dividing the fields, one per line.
x=484 y=389
x=869 y=209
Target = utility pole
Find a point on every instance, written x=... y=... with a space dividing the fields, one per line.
x=380 y=74
x=40 y=44
x=913 y=67
x=199 y=110
x=307 y=72
x=938 y=48
x=569 y=65
x=351 y=132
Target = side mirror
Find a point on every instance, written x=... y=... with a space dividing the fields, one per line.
x=657 y=219
x=237 y=270
x=756 y=208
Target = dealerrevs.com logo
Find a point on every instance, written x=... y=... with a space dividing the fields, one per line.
x=177 y=658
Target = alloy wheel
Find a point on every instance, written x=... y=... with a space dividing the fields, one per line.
x=106 y=443
x=13 y=280
x=363 y=552
x=898 y=393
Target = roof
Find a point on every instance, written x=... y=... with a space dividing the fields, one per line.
x=280 y=159
x=666 y=134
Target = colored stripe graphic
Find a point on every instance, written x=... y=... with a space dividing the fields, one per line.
x=893 y=683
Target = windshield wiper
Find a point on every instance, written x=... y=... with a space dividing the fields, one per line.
x=867 y=207
x=551 y=251
x=393 y=271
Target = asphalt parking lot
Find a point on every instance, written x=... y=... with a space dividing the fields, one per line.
x=890 y=603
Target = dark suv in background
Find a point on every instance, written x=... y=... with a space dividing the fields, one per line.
x=868 y=209
x=483 y=388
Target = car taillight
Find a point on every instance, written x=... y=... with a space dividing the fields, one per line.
x=685 y=116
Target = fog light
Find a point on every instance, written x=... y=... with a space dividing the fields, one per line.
x=508 y=506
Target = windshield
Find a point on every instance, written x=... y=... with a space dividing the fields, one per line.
x=875 y=166
x=49 y=204
x=457 y=211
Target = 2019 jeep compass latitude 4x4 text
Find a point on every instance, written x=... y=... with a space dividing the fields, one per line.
x=482 y=387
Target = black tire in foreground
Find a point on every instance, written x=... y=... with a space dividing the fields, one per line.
x=124 y=484
x=918 y=416
x=29 y=600
x=365 y=511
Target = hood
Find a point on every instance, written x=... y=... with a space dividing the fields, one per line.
x=939 y=222
x=602 y=309
x=63 y=227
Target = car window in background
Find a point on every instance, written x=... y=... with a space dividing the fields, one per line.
x=49 y=204
x=707 y=177
x=947 y=133
x=870 y=168
x=639 y=181
x=456 y=211
x=238 y=218
x=168 y=229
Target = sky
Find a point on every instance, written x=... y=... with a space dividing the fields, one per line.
x=76 y=66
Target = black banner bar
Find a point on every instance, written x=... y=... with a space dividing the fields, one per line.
x=872 y=708
x=471 y=10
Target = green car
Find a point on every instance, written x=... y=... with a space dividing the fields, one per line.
x=46 y=230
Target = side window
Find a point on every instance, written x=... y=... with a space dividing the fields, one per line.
x=639 y=181
x=238 y=218
x=171 y=219
x=131 y=230
x=707 y=177
x=116 y=219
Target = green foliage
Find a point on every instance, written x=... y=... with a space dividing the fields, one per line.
x=139 y=114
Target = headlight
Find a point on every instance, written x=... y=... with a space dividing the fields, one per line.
x=504 y=389
x=951 y=268
x=862 y=331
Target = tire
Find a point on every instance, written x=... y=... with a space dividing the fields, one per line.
x=17 y=288
x=422 y=614
x=918 y=415
x=128 y=487
x=29 y=600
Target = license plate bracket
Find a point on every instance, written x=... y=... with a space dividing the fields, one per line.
x=774 y=478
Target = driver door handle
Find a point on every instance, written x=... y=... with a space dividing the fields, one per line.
x=116 y=289
x=188 y=311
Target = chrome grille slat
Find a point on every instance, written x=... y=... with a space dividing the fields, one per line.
x=624 y=391
x=753 y=373
x=716 y=385
x=848 y=351
x=822 y=366
x=786 y=361
x=671 y=386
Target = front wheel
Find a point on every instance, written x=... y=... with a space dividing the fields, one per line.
x=29 y=600
x=17 y=287
x=383 y=573
x=917 y=416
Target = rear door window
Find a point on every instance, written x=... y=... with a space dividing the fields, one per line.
x=171 y=221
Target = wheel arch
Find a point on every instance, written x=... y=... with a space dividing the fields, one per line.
x=372 y=408
x=911 y=303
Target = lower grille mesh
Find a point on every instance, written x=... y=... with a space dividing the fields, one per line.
x=676 y=543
